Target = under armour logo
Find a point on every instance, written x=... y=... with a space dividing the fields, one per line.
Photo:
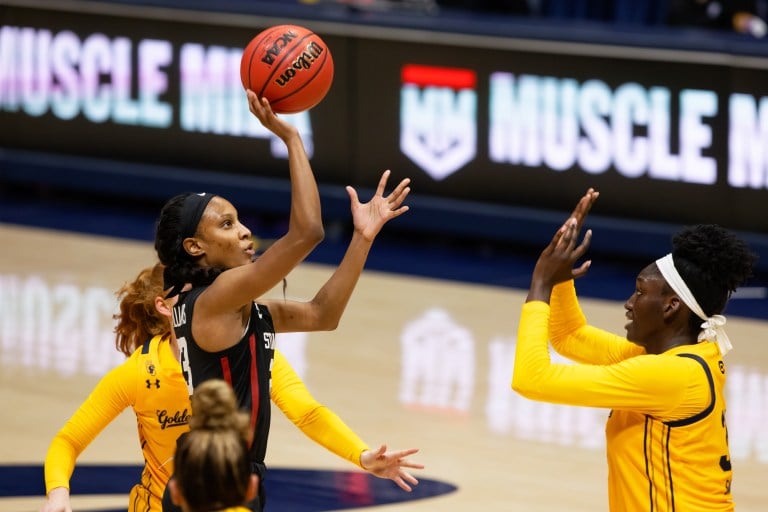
x=156 y=383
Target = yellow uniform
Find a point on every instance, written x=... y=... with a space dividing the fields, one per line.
x=151 y=382
x=311 y=417
x=666 y=436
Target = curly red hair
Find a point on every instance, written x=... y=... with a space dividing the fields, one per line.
x=138 y=319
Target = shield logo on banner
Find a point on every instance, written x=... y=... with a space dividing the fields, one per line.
x=438 y=118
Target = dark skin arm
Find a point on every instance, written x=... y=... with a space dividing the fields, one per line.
x=557 y=262
x=223 y=308
x=324 y=311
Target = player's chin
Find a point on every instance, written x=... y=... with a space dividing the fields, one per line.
x=242 y=259
x=630 y=332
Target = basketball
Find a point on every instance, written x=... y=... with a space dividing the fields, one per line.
x=289 y=65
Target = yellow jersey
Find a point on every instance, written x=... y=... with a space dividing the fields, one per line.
x=666 y=436
x=314 y=419
x=150 y=381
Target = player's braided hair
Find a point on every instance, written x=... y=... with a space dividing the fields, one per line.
x=713 y=262
x=212 y=463
x=180 y=266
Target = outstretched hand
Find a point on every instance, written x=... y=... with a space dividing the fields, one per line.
x=391 y=465
x=557 y=261
x=583 y=207
x=368 y=218
x=261 y=108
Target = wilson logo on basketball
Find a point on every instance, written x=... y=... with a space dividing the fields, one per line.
x=303 y=61
x=288 y=65
x=280 y=43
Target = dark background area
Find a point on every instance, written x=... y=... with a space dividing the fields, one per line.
x=485 y=223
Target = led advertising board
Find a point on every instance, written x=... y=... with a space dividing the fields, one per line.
x=663 y=139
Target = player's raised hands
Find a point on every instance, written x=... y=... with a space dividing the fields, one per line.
x=368 y=218
x=261 y=108
x=558 y=261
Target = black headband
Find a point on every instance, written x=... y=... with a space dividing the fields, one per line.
x=191 y=212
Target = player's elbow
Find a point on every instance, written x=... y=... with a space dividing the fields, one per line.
x=523 y=385
x=328 y=323
x=305 y=235
x=322 y=317
x=312 y=233
x=303 y=239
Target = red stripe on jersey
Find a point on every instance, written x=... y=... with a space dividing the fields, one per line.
x=254 y=385
x=225 y=371
x=455 y=78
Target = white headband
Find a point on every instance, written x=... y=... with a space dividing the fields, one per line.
x=712 y=328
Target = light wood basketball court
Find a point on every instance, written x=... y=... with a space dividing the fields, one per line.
x=415 y=363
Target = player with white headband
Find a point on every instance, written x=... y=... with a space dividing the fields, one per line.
x=667 y=441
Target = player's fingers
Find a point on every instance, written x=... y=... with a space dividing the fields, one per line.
x=398 y=200
x=382 y=183
x=399 y=188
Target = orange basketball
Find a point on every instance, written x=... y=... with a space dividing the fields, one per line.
x=290 y=66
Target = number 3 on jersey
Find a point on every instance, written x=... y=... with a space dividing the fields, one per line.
x=186 y=371
x=725 y=460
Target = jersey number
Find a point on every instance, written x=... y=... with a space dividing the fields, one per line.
x=184 y=360
x=725 y=461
